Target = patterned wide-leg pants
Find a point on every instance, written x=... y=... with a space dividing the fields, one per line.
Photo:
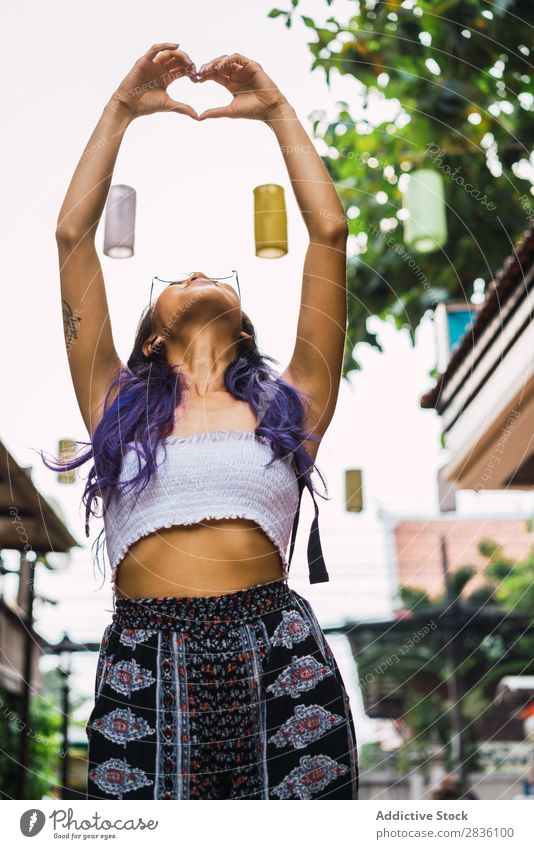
x=234 y=696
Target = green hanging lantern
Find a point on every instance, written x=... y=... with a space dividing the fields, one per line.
x=425 y=230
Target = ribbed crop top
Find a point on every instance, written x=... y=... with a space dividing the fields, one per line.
x=220 y=474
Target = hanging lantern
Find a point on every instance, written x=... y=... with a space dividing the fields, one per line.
x=119 y=228
x=66 y=451
x=353 y=490
x=425 y=230
x=270 y=221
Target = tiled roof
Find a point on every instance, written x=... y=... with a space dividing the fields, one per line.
x=507 y=279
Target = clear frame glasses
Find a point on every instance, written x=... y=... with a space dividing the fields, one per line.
x=181 y=280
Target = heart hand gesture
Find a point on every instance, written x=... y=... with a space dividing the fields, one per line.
x=255 y=95
x=144 y=90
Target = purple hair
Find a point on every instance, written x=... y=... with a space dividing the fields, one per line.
x=140 y=405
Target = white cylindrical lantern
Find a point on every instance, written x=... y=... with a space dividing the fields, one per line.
x=270 y=221
x=425 y=230
x=119 y=227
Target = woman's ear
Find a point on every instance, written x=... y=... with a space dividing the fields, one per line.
x=153 y=345
x=245 y=337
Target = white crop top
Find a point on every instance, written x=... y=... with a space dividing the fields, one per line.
x=220 y=474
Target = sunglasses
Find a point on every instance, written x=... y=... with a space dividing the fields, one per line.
x=181 y=280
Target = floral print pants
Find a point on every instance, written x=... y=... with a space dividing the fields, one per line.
x=234 y=696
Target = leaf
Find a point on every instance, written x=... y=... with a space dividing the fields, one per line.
x=309 y=22
x=275 y=13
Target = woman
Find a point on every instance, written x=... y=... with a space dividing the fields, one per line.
x=214 y=678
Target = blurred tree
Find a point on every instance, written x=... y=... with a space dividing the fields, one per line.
x=445 y=85
x=511 y=582
x=45 y=750
x=491 y=647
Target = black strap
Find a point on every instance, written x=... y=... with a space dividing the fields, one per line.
x=316 y=564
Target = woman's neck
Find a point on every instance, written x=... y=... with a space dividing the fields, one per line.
x=202 y=363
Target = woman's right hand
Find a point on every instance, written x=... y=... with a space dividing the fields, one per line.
x=144 y=90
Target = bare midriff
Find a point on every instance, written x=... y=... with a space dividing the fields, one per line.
x=213 y=557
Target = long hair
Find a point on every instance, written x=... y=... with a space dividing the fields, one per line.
x=139 y=411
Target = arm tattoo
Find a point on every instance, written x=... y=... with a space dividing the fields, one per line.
x=70 y=324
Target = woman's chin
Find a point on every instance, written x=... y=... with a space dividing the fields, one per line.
x=205 y=303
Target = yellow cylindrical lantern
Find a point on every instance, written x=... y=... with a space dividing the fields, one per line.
x=270 y=221
x=426 y=228
x=67 y=450
x=353 y=491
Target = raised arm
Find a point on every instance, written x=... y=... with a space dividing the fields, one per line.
x=93 y=360
x=317 y=359
x=316 y=363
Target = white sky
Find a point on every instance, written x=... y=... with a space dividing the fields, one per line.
x=60 y=64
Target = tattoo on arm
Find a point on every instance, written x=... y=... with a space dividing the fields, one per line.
x=71 y=320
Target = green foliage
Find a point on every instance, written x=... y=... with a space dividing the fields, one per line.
x=417 y=600
x=429 y=725
x=455 y=78
x=370 y=755
x=498 y=569
x=460 y=578
x=420 y=673
x=516 y=590
x=44 y=745
x=482 y=596
x=488 y=547
x=414 y=599
x=511 y=582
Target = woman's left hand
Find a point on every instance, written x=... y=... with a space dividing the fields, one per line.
x=255 y=95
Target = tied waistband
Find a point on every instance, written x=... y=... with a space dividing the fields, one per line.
x=168 y=612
